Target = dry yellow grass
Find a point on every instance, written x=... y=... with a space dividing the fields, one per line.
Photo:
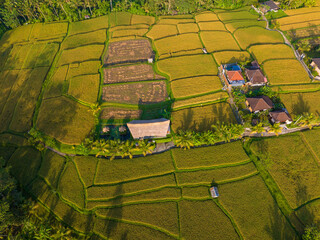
x=231 y=56
x=194 y=86
x=211 y=26
x=218 y=41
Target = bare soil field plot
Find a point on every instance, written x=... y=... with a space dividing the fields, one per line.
x=136 y=93
x=218 y=41
x=128 y=51
x=132 y=73
x=120 y=113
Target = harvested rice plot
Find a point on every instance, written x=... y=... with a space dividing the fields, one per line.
x=184 y=44
x=129 y=51
x=136 y=93
x=286 y=71
x=132 y=73
x=120 y=113
x=218 y=41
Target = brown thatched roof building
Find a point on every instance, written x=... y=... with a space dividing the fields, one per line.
x=256 y=104
x=155 y=128
x=280 y=116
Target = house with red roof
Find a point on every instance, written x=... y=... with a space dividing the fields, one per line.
x=232 y=75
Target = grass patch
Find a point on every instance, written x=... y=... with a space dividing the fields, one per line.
x=235 y=198
x=209 y=156
x=24 y=164
x=188 y=28
x=218 y=41
x=206 y=17
x=277 y=72
x=298 y=103
x=81 y=54
x=207 y=177
x=161 y=31
x=120 y=189
x=130 y=169
x=188 y=66
x=85 y=88
x=49 y=30
x=297 y=87
x=56 y=84
x=196 y=85
x=87 y=168
x=200 y=100
x=262 y=35
x=51 y=167
x=293 y=168
x=233 y=26
x=97 y=37
x=162 y=215
x=179 y=45
x=71 y=187
x=65 y=120
x=89 y=25
x=271 y=51
x=202 y=118
x=116 y=230
x=202 y=219
x=231 y=57
x=23 y=112
x=166 y=194
x=212 y=26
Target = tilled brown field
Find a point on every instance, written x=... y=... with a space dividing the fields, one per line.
x=136 y=93
x=132 y=73
x=120 y=113
x=129 y=51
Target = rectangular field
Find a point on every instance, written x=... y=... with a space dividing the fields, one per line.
x=215 y=41
x=231 y=57
x=89 y=25
x=136 y=93
x=210 y=156
x=96 y=37
x=206 y=17
x=162 y=31
x=120 y=113
x=271 y=52
x=234 y=26
x=83 y=68
x=188 y=28
x=202 y=118
x=211 y=26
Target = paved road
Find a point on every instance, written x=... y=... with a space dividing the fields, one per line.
x=286 y=41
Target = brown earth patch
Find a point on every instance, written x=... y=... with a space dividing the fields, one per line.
x=136 y=93
x=129 y=51
x=119 y=113
x=132 y=73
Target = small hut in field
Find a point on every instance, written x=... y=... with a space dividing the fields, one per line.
x=146 y=129
x=214 y=192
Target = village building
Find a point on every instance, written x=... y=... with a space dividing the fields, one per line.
x=258 y=104
x=280 y=116
x=316 y=65
x=270 y=6
x=232 y=75
x=255 y=77
x=214 y=192
x=146 y=129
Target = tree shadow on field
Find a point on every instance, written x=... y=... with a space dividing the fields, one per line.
x=187 y=122
x=300 y=106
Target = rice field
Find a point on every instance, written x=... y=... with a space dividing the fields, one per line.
x=89 y=25
x=235 y=25
x=188 y=28
x=215 y=41
x=206 y=17
x=231 y=57
x=162 y=31
x=212 y=26
x=271 y=52
x=277 y=72
x=91 y=38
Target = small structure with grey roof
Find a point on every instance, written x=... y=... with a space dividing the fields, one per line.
x=257 y=104
x=270 y=6
x=214 y=192
x=280 y=116
x=316 y=65
x=145 y=129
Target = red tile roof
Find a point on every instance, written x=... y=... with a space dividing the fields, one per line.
x=260 y=103
x=234 y=76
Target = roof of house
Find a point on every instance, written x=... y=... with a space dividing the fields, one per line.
x=260 y=103
x=155 y=128
x=255 y=64
x=280 y=116
x=214 y=192
x=234 y=76
x=272 y=5
x=255 y=76
x=316 y=61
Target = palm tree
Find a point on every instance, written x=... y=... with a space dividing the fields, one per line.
x=115 y=148
x=126 y=149
x=145 y=147
x=258 y=129
x=308 y=120
x=236 y=130
x=103 y=147
x=184 y=140
x=275 y=128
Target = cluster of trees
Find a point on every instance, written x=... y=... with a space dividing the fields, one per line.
x=16 y=12
x=219 y=133
x=289 y=4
